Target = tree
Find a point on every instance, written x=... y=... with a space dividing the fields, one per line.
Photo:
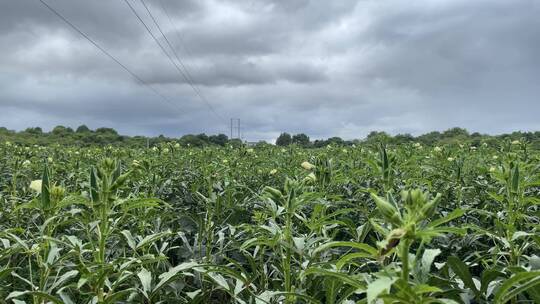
x=220 y=139
x=62 y=131
x=378 y=137
x=455 y=132
x=191 y=140
x=284 y=139
x=235 y=142
x=429 y=138
x=109 y=131
x=36 y=130
x=403 y=138
x=300 y=139
x=204 y=138
x=337 y=141
x=82 y=129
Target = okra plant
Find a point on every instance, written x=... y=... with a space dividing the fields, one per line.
x=371 y=223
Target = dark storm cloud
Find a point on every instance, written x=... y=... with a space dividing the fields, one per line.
x=325 y=68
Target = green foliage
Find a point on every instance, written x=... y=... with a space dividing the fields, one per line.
x=284 y=139
x=209 y=222
x=300 y=139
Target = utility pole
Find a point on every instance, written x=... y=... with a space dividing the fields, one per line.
x=231 y=128
x=239 y=136
x=235 y=124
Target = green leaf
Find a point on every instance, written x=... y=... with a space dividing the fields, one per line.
x=94 y=188
x=343 y=277
x=5 y=271
x=129 y=239
x=351 y=256
x=520 y=234
x=453 y=215
x=115 y=297
x=487 y=277
x=219 y=279
x=66 y=276
x=40 y=294
x=424 y=288
x=377 y=287
x=45 y=185
x=170 y=275
x=427 y=260
x=515 y=285
x=144 y=203
x=150 y=239
x=72 y=200
x=534 y=262
x=462 y=271
x=355 y=245
x=145 y=277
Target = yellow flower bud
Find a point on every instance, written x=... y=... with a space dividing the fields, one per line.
x=306 y=165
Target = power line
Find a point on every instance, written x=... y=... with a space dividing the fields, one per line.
x=188 y=74
x=176 y=30
x=138 y=78
x=170 y=45
x=179 y=38
x=186 y=77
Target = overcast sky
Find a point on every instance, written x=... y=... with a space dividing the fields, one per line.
x=325 y=68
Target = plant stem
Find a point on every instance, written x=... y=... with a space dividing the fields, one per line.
x=287 y=258
x=404 y=255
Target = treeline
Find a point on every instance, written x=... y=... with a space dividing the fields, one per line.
x=84 y=136
x=450 y=136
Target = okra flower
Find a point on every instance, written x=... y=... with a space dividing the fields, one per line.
x=36 y=186
x=306 y=165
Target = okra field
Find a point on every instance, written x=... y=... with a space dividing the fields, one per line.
x=370 y=223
